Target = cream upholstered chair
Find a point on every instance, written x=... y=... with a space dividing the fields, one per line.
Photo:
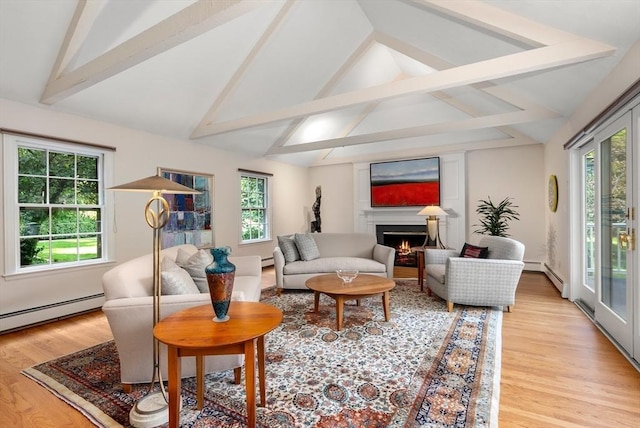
x=476 y=281
x=129 y=310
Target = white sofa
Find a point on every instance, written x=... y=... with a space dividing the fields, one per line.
x=129 y=310
x=337 y=251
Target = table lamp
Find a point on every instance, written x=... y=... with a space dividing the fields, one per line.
x=152 y=409
x=433 y=212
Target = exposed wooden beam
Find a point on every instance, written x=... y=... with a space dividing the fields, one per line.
x=440 y=64
x=465 y=108
x=489 y=88
x=411 y=51
x=211 y=114
x=500 y=21
x=481 y=122
x=81 y=22
x=427 y=150
x=190 y=22
x=569 y=52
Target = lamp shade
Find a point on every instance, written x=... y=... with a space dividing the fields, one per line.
x=432 y=210
x=155 y=183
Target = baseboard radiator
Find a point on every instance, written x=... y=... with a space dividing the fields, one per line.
x=555 y=279
x=24 y=318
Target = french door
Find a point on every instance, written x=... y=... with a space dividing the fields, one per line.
x=609 y=222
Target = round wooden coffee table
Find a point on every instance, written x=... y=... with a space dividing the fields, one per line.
x=363 y=286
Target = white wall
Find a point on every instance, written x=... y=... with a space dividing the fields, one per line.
x=336 y=209
x=138 y=154
x=519 y=173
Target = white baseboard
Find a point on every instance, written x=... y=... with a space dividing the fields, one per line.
x=554 y=278
x=532 y=266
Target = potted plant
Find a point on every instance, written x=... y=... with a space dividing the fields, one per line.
x=494 y=219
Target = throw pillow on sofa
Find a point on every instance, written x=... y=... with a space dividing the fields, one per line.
x=306 y=246
x=474 y=252
x=289 y=249
x=176 y=280
x=194 y=264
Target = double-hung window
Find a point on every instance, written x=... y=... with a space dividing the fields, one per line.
x=54 y=202
x=254 y=197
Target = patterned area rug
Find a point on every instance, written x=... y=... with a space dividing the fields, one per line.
x=423 y=368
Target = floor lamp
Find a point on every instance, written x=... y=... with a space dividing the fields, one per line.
x=433 y=212
x=152 y=409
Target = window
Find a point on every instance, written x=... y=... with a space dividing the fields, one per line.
x=57 y=193
x=254 y=197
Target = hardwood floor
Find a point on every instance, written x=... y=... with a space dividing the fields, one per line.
x=558 y=369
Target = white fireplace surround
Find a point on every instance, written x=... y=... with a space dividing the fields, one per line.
x=452 y=200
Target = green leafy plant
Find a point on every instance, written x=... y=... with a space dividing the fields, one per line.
x=29 y=251
x=494 y=219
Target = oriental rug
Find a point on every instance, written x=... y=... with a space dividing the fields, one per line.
x=424 y=368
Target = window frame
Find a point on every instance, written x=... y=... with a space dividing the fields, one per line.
x=11 y=144
x=267 y=208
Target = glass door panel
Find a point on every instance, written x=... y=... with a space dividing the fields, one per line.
x=613 y=309
x=589 y=231
x=613 y=211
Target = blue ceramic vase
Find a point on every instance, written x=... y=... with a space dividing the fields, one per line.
x=220 y=276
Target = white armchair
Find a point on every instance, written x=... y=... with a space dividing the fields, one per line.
x=129 y=310
x=478 y=282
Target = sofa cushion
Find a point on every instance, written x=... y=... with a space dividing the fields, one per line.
x=289 y=249
x=306 y=246
x=436 y=271
x=331 y=264
x=474 y=251
x=195 y=264
x=176 y=280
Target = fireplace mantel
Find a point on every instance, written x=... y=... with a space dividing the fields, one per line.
x=397 y=216
x=393 y=215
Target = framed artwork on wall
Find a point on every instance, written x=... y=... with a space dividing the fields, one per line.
x=190 y=216
x=405 y=183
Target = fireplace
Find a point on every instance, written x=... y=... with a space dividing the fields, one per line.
x=402 y=237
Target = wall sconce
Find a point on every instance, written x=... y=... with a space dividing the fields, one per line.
x=433 y=212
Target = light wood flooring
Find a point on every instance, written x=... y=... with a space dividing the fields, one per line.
x=558 y=369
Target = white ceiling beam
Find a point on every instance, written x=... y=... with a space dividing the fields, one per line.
x=570 y=52
x=411 y=51
x=481 y=122
x=235 y=80
x=475 y=113
x=500 y=21
x=190 y=22
x=83 y=17
x=434 y=149
x=440 y=64
x=489 y=88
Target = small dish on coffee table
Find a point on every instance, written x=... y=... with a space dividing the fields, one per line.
x=347 y=275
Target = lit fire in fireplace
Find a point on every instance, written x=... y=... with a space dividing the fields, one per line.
x=404 y=248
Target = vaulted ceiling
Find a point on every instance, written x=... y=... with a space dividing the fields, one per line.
x=314 y=82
